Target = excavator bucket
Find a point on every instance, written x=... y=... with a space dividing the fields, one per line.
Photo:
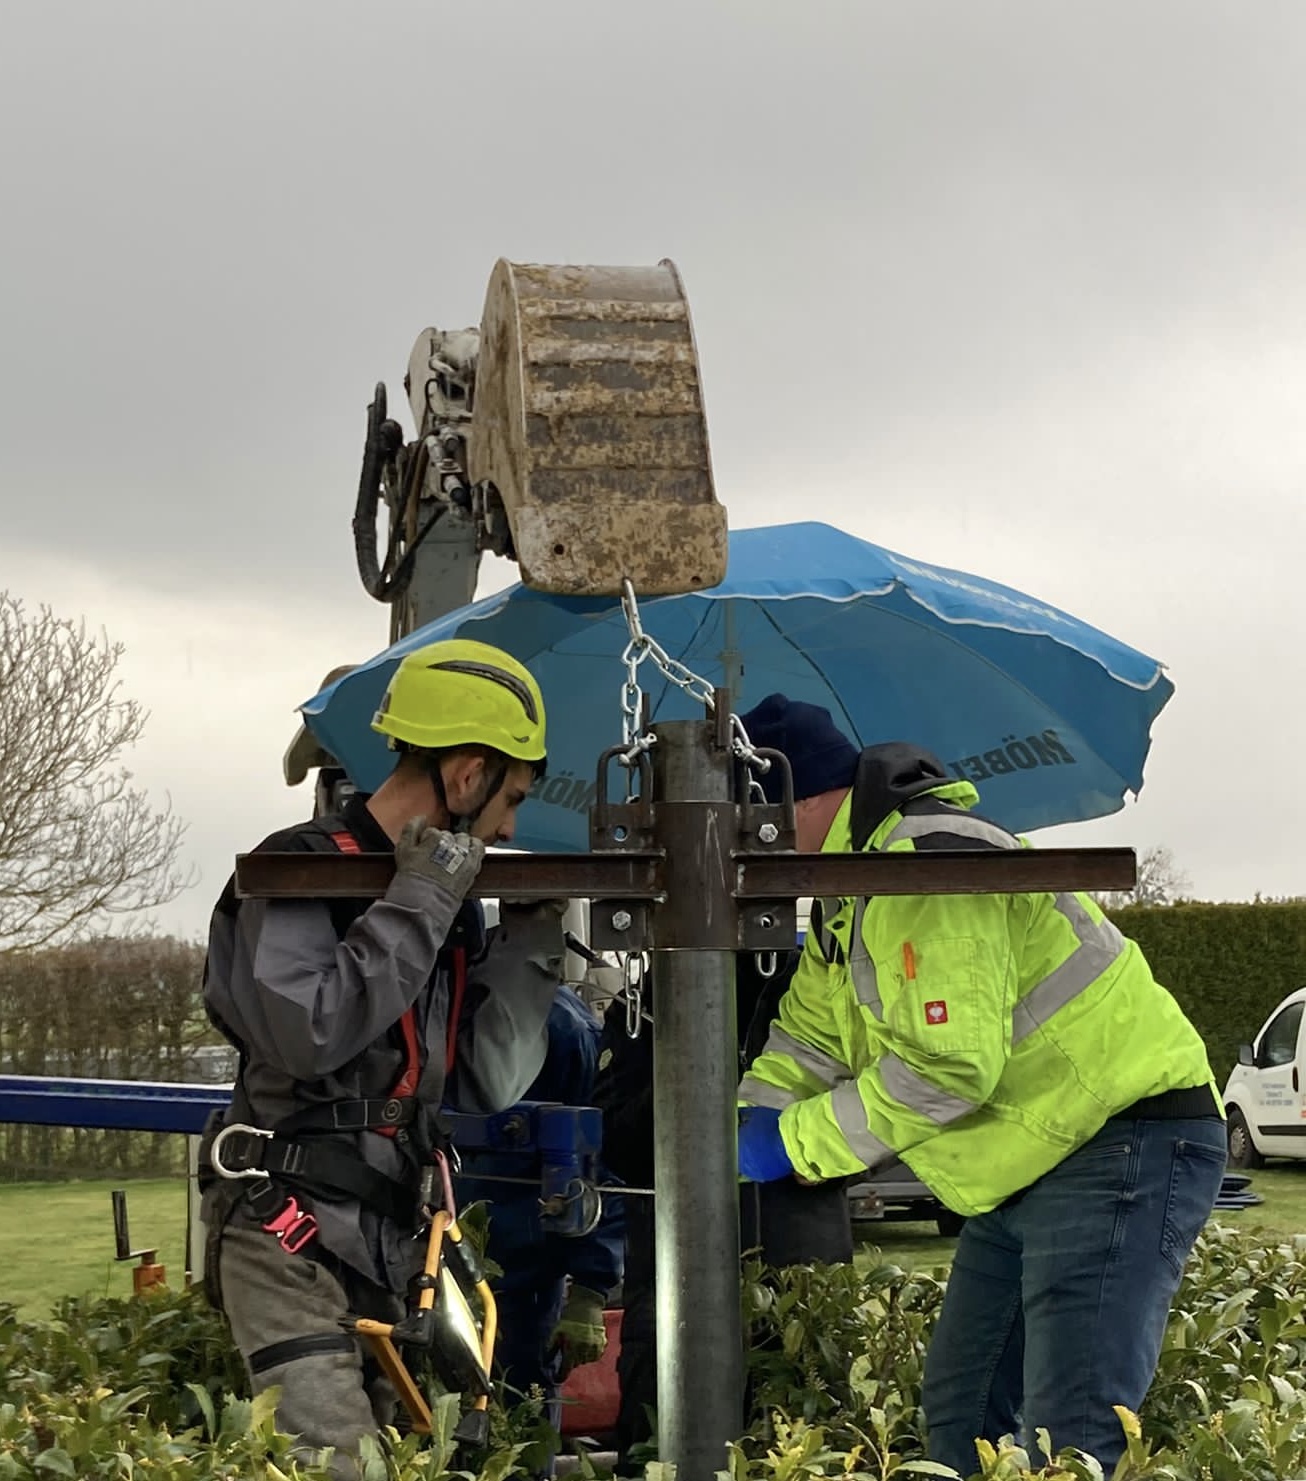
x=589 y=424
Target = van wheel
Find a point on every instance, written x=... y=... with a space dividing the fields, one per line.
x=1242 y=1150
x=948 y=1223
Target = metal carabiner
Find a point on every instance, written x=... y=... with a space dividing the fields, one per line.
x=215 y=1149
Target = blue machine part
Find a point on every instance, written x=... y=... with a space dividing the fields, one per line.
x=563 y=1145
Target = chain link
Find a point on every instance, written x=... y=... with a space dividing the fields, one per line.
x=632 y=978
x=641 y=647
x=634 y=739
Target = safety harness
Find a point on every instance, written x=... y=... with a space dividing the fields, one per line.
x=302 y=1154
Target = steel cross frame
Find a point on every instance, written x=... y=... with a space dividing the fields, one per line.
x=694 y=870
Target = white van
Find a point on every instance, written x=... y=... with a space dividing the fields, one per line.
x=1265 y=1095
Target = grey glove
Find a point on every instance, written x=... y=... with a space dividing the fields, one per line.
x=450 y=861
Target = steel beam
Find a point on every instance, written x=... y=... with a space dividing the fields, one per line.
x=275 y=876
x=619 y=874
x=695 y=1074
x=942 y=872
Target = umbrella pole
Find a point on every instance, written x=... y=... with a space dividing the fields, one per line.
x=695 y=1074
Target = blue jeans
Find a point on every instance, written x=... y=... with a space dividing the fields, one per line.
x=1057 y=1303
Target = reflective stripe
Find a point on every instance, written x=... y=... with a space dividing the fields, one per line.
x=860 y=966
x=962 y=824
x=1099 y=945
x=850 y=1116
x=758 y=1093
x=828 y=1070
x=919 y=1094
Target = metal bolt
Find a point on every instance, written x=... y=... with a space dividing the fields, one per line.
x=621 y=920
x=767 y=922
x=768 y=833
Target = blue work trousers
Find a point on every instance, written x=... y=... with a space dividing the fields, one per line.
x=1057 y=1303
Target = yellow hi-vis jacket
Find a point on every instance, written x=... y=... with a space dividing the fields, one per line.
x=981 y=1038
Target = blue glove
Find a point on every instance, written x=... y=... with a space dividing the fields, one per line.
x=762 y=1155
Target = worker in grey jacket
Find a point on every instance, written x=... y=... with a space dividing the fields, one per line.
x=355 y=1021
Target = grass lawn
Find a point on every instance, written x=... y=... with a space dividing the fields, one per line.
x=57 y=1238
x=1282 y=1185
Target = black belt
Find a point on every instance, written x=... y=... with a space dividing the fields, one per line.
x=331 y=1172
x=352 y=1115
x=1193 y=1103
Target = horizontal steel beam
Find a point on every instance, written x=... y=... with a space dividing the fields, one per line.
x=618 y=875
x=937 y=872
x=610 y=876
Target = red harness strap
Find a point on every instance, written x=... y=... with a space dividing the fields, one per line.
x=412 y=1072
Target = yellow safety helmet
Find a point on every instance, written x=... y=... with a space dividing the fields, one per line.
x=463 y=693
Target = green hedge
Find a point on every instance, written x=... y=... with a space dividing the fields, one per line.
x=116 y=1390
x=1228 y=965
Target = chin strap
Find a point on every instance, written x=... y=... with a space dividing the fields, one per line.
x=462 y=822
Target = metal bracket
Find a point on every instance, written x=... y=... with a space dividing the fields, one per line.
x=620 y=925
x=768 y=925
x=622 y=825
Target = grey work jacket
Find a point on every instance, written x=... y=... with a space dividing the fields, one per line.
x=312 y=992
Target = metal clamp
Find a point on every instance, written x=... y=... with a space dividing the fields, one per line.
x=215 y=1151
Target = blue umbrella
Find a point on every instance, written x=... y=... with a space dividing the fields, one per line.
x=1050 y=717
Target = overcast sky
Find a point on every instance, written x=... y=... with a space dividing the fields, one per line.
x=1015 y=287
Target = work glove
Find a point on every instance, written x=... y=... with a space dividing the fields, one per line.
x=762 y=1155
x=580 y=1336
x=449 y=861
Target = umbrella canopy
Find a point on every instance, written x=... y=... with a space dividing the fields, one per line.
x=1050 y=717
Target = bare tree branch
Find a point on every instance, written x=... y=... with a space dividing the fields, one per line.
x=79 y=844
x=1160 y=882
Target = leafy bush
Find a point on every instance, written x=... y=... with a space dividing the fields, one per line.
x=1228 y=965
x=134 y=1389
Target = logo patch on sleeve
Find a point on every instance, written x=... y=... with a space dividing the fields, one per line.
x=936 y=1012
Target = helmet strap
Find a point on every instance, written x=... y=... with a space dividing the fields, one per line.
x=462 y=822
x=494 y=786
x=456 y=824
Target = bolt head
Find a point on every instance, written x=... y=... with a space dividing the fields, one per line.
x=768 y=833
x=621 y=920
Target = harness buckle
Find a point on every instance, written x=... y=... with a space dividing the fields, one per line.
x=215 y=1151
x=293 y=1226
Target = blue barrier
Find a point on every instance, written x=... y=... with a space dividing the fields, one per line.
x=564 y=1139
x=114 y=1105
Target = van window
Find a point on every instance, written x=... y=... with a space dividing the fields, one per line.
x=1279 y=1041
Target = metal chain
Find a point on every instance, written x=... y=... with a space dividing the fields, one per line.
x=642 y=646
x=639 y=648
x=632 y=977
